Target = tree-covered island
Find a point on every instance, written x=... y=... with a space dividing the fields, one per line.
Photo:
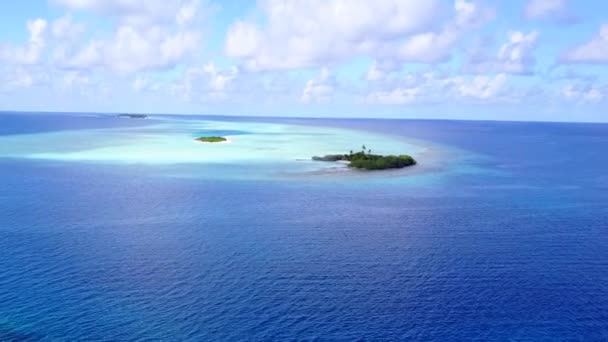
x=212 y=139
x=368 y=161
x=133 y=116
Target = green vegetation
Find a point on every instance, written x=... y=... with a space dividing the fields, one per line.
x=213 y=139
x=368 y=161
x=133 y=116
x=378 y=162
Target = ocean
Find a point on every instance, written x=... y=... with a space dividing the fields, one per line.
x=120 y=229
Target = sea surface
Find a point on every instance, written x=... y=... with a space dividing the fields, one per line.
x=118 y=229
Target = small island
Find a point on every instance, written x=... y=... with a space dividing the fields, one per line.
x=367 y=161
x=133 y=116
x=212 y=139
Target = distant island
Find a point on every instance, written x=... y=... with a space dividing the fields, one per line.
x=368 y=161
x=133 y=116
x=213 y=139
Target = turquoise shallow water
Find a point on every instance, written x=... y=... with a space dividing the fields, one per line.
x=498 y=234
x=170 y=141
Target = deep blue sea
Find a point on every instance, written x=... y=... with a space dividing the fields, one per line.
x=509 y=244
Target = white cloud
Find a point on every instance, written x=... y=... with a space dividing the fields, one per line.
x=394 y=97
x=145 y=84
x=243 y=40
x=219 y=80
x=104 y=6
x=156 y=45
x=583 y=93
x=481 y=87
x=66 y=34
x=18 y=78
x=210 y=84
x=64 y=28
x=152 y=35
x=432 y=47
x=133 y=48
x=375 y=72
x=594 y=52
x=381 y=70
x=319 y=89
x=36 y=28
x=140 y=84
x=538 y=9
x=85 y=58
x=75 y=79
x=149 y=35
x=429 y=47
x=206 y=82
x=515 y=56
x=137 y=12
x=310 y=33
x=187 y=12
x=13 y=77
x=431 y=88
x=31 y=52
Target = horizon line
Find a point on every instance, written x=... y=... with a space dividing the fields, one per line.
x=4 y=111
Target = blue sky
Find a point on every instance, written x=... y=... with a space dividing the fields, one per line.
x=458 y=59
